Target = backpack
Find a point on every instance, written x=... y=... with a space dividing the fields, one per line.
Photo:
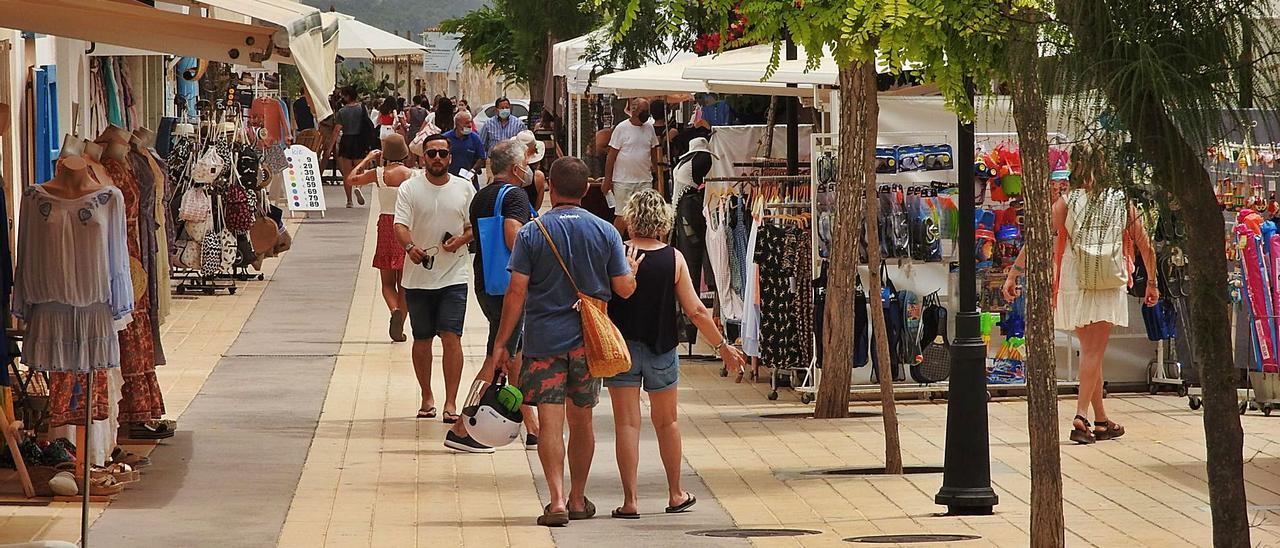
x=893 y=324
x=1095 y=228
x=933 y=324
x=237 y=212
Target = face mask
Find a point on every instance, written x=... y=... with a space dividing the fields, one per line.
x=504 y=113
x=643 y=116
x=465 y=130
x=526 y=176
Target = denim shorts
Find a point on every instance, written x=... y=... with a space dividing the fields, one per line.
x=655 y=372
x=436 y=311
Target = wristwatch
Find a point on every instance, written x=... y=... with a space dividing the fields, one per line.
x=409 y=247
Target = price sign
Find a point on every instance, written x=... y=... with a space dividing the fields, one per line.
x=302 y=180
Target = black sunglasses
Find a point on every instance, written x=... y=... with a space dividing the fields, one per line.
x=436 y=153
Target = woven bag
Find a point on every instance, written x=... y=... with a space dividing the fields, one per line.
x=607 y=353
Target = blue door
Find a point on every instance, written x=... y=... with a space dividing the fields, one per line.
x=47 y=145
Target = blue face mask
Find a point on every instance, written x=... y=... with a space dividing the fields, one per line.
x=465 y=130
x=504 y=113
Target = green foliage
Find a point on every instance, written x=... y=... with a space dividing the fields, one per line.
x=513 y=37
x=361 y=78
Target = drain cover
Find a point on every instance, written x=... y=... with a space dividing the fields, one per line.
x=874 y=471
x=749 y=533
x=909 y=539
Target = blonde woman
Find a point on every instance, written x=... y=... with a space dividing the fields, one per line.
x=648 y=320
x=1092 y=223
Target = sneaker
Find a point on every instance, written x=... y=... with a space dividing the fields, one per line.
x=359 y=196
x=466 y=445
x=530 y=442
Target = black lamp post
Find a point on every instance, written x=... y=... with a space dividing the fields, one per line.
x=966 y=478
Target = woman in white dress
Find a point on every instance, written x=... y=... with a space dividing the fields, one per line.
x=1092 y=224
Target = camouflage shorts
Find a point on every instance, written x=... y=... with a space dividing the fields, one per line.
x=552 y=379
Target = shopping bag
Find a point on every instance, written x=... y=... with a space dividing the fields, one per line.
x=493 y=246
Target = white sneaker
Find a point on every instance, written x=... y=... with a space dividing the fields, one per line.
x=359 y=196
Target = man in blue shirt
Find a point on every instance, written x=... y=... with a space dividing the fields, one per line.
x=465 y=147
x=501 y=127
x=554 y=371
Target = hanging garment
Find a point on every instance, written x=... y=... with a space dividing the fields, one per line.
x=163 y=296
x=689 y=234
x=148 y=246
x=737 y=243
x=786 y=296
x=718 y=254
x=751 y=297
x=141 y=399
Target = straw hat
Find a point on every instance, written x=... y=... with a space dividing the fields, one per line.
x=540 y=148
x=394 y=149
x=698 y=144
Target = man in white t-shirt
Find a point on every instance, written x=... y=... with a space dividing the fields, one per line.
x=633 y=158
x=432 y=224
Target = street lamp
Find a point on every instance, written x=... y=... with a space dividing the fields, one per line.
x=966 y=477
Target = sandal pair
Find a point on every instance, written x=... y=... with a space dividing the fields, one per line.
x=1107 y=430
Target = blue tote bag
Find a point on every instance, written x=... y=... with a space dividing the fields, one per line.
x=493 y=246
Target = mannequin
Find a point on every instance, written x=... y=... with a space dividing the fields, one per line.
x=141 y=401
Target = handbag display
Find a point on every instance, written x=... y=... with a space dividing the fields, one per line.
x=196 y=206
x=237 y=211
x=607 y=353
x=210 y=165
x=186 y=254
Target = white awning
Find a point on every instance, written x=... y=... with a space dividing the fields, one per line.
x=788 y=72
x=358 y=40
x=571 y=52
x=143 y=27
x=670 y=77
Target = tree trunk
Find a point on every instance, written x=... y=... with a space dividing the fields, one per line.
x=856 y=145
x=1176 y=167
x=1030 y=115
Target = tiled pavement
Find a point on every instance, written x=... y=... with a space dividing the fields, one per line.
x=376 y=476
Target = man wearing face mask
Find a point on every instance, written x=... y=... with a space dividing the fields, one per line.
x=501 y=128
x=633 y=158
x=466 y=149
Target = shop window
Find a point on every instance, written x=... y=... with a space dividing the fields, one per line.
x=47 y=145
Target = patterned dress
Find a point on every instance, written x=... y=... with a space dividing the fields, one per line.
x=141 y=399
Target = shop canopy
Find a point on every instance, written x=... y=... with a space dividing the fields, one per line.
x=565 y=55
x=670 y=77
x=358 y=40
x=255 y=31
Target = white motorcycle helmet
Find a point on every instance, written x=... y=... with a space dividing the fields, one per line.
x=492 y=413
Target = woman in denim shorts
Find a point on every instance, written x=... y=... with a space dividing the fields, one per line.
x=648 y=320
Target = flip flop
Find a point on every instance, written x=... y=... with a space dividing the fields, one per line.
x=588 y=510
x=450 y=418
x=553 y=519
x=684 y=506
x=619 y=514
x=429 y=413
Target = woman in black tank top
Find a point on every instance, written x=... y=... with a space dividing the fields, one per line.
x=648 y=321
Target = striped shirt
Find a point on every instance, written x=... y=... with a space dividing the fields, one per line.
x=494 y=132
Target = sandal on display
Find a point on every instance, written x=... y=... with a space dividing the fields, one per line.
x=619 y=514
x=428 y=413
x=553 y=519
x=1107 y=430
x=150 y=431
x=134 y=460
x=588 y=510
x=1082 y=434
x=689 y=501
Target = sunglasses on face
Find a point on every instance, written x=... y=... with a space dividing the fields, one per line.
x=436 y=153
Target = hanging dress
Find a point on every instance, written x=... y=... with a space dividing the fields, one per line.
x=718 y=254
x=141 y=399
x=148 y=245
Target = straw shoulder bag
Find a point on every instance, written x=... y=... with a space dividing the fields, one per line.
x=607 y=353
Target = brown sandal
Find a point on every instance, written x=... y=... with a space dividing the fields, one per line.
x=1082 y=436
x=1107 y=430
x=553 y=519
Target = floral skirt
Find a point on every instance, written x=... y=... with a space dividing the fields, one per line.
x=388 y=255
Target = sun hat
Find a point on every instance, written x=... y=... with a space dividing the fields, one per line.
x=698 y=144
x=394 y=149
x=527 y=138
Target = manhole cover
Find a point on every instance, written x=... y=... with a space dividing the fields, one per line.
x=874 y=471
x=909 y=539
x=750 y=533
x=809 y=415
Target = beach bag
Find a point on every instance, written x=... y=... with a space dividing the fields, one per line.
x=238 y=214
x=935 y=365
x=893 y=324
x=196 y=206
x=186 y=254
x=493 y=245
x=607 y=353
x=208 y=167
x=1095 y=231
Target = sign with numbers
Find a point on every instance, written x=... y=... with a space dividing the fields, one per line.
x=302 y=180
